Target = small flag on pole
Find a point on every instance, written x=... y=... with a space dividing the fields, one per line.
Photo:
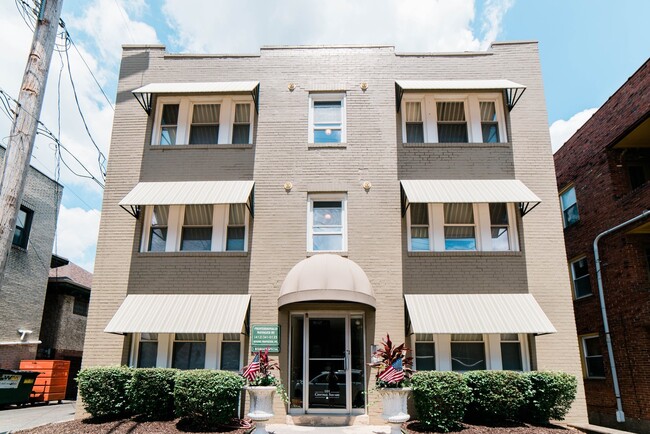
x=394 y=373
x=251 y=370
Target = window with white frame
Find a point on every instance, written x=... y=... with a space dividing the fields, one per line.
x=230 y=352
x=147 y=350
x=511 y=359
x=580 y=278
x=569 y=207
x=592 y=357
x=203 y=120
x=188 y=351
x=327 y=118
x=327 y=223
x=453 y=118
x=195 y=228
x=462 y=227
x=425 y=352
x=467 y=352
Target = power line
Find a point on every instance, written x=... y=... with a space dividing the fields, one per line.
x=126 y=22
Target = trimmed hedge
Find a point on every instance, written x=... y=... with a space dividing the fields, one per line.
x=151 y=393
x=440 y=399
x=497 y=395
x=552 y=395
x=103 y=390
x=206 y=397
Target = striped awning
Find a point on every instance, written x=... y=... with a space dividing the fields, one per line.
x=468 y=191
x=143 y=94
x=180 y=313
x=477 y=313
x=188 y=193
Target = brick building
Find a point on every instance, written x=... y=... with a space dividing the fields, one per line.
x=22 y=295
x=339 y=193
x=602 y=176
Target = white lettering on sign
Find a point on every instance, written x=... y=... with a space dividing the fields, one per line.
x=9 y=381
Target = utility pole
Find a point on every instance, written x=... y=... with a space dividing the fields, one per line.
x=23 y=131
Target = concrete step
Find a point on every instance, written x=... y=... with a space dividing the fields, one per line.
x=596 y=429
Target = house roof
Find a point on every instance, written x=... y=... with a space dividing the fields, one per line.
x=72 y=273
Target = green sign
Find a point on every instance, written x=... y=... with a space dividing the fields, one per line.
x=266 y=336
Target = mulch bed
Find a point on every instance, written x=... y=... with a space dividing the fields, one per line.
x=134 y=426
x=414 y=427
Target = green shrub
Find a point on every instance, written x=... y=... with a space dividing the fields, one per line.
x=497 y=395
x=207 y=397
x=553 y=393
x=151 y=393
x=440 y=399
x=103 y=390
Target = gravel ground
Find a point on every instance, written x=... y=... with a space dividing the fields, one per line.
x=414 y=428
x=129 y=426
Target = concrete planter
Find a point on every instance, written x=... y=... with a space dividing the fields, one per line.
x=261 y=409
x=394 y=406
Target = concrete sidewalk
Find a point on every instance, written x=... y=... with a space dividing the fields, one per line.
x=354 y=429
x=14 y=418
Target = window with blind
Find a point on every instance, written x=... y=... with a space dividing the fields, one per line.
x=467 y=352
x=327 y=118
x=158 y=228
x=203 y=120
x=453 y=118
x=460 y=230
x=197 y=228
x=327 y=223
x=236 y=232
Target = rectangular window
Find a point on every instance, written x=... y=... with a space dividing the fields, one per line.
x=327 y=113
x=80 y=306
x=205 y=124
x=511 y=352
x=419 y=226
x=489 y=122
x=327 y=225
x=452 y=124
x=147 y=350
x=23 y=227
x=242 y=125
x=425 y=352
x=580 y=278
x=189 y=351
x=236 y=232
x=158 y=228
x=414 y=123
x=593 y=357
x=569 y=207
x=467 y=352
x=230 y=352
x=168 y=124
x=460 y=233
x=499 y=226
x=197 y=228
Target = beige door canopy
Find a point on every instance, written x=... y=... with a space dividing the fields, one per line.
x=326 y=277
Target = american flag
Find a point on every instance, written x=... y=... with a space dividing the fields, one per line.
x=252 y=369
x=394 y=373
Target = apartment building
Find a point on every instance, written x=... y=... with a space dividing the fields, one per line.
x=602 y=175
x=314 y=199
x=22 y=295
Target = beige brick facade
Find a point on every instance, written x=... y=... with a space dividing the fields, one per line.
x=373 y=152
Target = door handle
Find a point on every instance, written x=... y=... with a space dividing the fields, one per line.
x=346 y=360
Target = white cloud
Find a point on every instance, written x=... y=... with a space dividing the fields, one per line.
x=77 y=235
x=410 y=25
x=562 y=130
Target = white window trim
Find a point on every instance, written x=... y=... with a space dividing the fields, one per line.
x=482 y=228
x=328 y=97
x=186 y=103
x=175 y=229
x=342 y=197
x=573 y=277
x=583 y=354
x=472 y=113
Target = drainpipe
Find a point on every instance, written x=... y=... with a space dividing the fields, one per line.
x=620 y=416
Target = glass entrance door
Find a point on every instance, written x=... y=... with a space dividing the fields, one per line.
x=327 y=365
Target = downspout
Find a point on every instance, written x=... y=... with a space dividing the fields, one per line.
x=620 y=416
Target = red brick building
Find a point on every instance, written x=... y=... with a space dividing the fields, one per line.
x=602 y=175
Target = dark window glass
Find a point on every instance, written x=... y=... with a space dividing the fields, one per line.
x=168 y=124
x=242 y=125
x=593 y=357
x=581 y=282
x=452 y=126
x=158 y=230
x=489 y=123
x=467 y=352
x=147 y=354
x=205 y=124
x=230 y=356
x=511 y=356
x=197 y=228
x=236 y=227
x=637 y=176
x=189 y=351
x=23 y=227
x=414 y=124
x=425 y=356
x=80 y=306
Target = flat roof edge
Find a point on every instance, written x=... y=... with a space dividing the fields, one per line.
x=523 y=41
x=203 y=56
x=140 y=46
x=324 y=46
x=445 y=54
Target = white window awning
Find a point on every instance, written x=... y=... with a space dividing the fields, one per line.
x=513 y=91
x=468 y=191
x=187 y=193
x=144 y=94
x=477 y=313
x=180 y=313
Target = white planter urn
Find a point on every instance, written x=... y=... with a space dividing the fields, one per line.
x=394 y=405
x=261 y=408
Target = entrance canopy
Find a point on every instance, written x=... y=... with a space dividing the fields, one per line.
x=180 y=313
x=326 y=277
x=477 y=313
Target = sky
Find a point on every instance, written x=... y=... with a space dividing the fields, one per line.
x=588 y=49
